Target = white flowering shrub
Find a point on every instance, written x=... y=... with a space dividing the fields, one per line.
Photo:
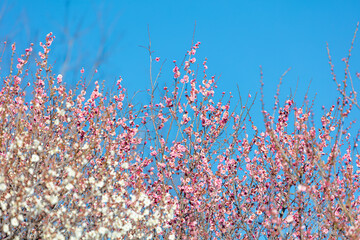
x=68 y=169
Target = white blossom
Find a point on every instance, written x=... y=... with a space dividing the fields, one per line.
x=61 y=112
x=147 y=202
x=19 y=142
x=91 y=180
x=3 y=205
x=54 y=151
x=86 y=146
x=78 y=232
x=29 y=190
x=102 y=230
x=118 y=199
x=69 y=186
x=53 y=199
x=105 y=199
x=127 y=227
x=125 y=165
x=36 y=143
x=14 y=222
x=71 y=172
x=2 y=186
x=121 y=183
x=35 y=158
x=12 y=146
x=59 y=236
x=6 y=228
x=100 y=184
x=301 y=188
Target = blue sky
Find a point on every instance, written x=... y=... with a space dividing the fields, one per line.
x=237 y=37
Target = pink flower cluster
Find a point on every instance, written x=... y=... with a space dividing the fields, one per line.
x=190 y=164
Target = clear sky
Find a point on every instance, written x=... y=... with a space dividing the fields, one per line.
x=237 y=37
